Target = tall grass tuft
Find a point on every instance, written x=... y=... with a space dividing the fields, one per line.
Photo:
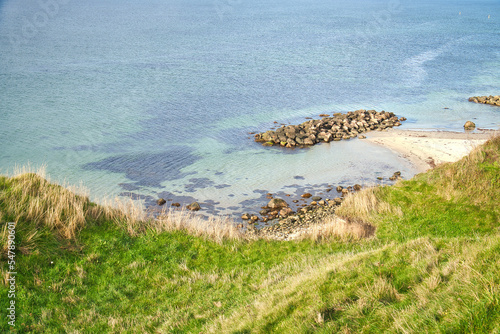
x=31 y=197
x=215 y=228
x=361 y=206
x=335 y=228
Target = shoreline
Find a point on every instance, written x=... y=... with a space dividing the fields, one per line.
x=429 y=148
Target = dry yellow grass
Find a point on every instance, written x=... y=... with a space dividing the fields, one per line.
x=216 y=228
x=66 y=210
x=133 y=217
x=33 y=198
x=359 y=207
x=338 y=229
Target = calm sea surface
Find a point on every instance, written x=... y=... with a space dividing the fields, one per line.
x=157 y=98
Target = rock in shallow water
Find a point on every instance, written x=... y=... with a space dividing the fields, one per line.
x=469 y=125
x=194 y=206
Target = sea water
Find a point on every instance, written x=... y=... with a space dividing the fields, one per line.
x=159 y=98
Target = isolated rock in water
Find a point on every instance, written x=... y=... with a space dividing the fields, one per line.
x=277 y=203
x=245 y=216
x=316 y=198
x=306 y=195
x=469 y=125
x=176 y=204
x=194 y=206
x=161 y=201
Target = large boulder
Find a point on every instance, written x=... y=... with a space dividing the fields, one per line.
x=277 y=203
x=308 y=141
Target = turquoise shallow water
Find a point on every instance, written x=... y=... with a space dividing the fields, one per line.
x=157 y=98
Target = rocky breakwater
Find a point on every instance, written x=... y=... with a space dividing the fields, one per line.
x=334 y=128
x=493 y=100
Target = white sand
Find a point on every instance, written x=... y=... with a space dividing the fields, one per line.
x=426 y=149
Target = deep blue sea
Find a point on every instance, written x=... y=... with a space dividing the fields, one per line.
x=151 y=98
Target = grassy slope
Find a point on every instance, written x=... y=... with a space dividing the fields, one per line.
x=434 y=266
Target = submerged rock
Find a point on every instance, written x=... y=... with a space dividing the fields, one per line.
x=161 y=201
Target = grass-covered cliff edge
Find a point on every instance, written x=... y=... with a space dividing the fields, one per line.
x=432 y=266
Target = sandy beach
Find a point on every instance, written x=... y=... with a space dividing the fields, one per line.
x=426 y=149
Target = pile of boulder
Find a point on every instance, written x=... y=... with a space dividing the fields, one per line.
x=493 y=100
x=278 y=208
x=334 y=128
x=290 y=227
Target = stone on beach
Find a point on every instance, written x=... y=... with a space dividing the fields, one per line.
x=285 y=212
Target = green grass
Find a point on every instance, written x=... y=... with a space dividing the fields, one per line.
x=433 y=265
